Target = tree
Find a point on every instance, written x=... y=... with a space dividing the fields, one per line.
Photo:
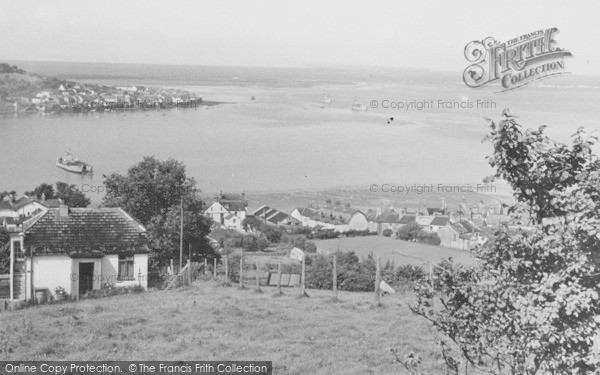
x=69 y=194
x=252 y=223
x=152 y=192
x=164 y=232
x=532 y=305
x=409 y=231
x=4 y=253
x=149 y=188
x=44 y=190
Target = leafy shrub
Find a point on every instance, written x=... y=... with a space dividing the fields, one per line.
x=387 y=232
x=428 y=238
x=531 y=304
x=408 y=272
x=310 y=247
x=409 y=232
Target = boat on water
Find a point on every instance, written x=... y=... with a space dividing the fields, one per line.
x=71 y=164
x=358 y=107
x=326 y=99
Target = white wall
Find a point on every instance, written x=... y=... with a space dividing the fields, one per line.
x=358 y=221
x=110 y=269
x=51 y=271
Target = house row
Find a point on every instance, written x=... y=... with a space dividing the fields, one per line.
x=339 y=219
x=74 y=249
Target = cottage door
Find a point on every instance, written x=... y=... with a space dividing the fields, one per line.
x=86 y=277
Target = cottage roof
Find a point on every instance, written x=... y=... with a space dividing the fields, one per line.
x=234 y=205
x=306 y=212
x=434 y=210
x=278 y=217
x=407 y=219
x=108 y=230
x=463 y=227
x=440 y=220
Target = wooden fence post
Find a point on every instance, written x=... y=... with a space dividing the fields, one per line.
x=279 y=277
x=206 y=266
x=256 y=272
x=378 y=282
x=303 y=274
x=189 y=266
x=335 y=275
x=215 y=267
x=432 y=288
x=241 y=272
x=226 y=269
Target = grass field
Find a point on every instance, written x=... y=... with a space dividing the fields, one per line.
x=317 y=335
x=385 y=247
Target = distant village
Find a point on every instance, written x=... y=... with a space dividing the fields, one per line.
x=78 y=97
x=26 y=92
x=465 y=227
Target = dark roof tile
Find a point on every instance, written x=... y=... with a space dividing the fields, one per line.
x=110 y=230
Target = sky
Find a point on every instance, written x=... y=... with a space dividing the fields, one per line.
x=413 y=34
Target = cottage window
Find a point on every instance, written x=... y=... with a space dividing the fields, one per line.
x=126 y=268
x=19 y=254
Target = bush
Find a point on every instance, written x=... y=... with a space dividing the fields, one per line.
x=233 y=265
x=250 y=243
x=263 y=243
x=409 y=272
x=409 y=232
x=428 y=238
x=320 y=274
x=310 y=247
x=273 y=234
x=387 y=232
x=301 y=230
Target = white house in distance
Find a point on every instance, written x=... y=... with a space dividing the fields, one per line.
x=79 y=249
x=461 y=235
x=228 y=210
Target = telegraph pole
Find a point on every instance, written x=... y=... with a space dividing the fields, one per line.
x=181 y=238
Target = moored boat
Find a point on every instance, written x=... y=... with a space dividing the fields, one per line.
x=71 y=164
x=358 y=107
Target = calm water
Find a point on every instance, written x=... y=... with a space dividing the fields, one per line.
x=284 y=139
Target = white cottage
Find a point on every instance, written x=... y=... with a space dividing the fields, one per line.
x=78 y=249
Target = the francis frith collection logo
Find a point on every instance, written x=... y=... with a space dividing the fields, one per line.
x=514 y=63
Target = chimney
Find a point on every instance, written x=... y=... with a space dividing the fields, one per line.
x=63 y=211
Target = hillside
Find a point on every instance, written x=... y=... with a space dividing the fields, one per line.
x=22 y=91
x=316 y=335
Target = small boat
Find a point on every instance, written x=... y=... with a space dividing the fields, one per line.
x=358 y=107
x=71 y=164
x=326 y=99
